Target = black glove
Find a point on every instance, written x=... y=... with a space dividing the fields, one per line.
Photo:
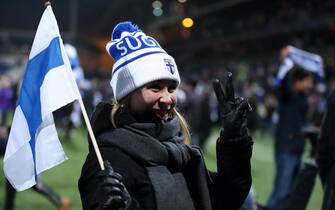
x=111 y=193
x=233 y=110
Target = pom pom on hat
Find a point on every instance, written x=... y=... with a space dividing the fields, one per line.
x=126 y=26
x=138 y=60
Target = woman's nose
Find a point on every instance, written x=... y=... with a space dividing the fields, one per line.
x=166 y=98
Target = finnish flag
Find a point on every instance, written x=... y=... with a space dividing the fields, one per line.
x=48 y=84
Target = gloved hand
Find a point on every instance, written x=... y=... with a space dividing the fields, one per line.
x=233 y=109
x=111 y=192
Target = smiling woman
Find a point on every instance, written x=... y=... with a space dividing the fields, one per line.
x=153 y=102
x=158 y=97
x=142 y=137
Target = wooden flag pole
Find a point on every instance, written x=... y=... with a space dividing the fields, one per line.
x=90 y=132
x=47 y=3
x=87 y=121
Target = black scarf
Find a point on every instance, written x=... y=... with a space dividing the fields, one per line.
x=154 y=144
x=158 y=143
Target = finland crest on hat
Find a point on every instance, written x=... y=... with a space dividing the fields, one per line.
x=139 y=60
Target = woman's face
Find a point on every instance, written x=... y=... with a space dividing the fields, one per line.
x=158 y=97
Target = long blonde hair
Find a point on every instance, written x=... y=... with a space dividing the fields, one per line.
x=183 y=124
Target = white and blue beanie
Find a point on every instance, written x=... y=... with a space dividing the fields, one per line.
x=138 y=60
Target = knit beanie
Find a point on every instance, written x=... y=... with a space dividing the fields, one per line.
x=138 y=60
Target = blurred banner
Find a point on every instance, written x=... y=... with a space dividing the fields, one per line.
x=294 y=56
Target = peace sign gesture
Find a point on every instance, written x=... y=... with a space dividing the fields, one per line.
x=226 y=97
x=233 y=109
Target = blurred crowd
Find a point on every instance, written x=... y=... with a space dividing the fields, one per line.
x=249 y=46
x=196 y=100
x=253 y=80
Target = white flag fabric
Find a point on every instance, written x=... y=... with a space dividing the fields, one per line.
x=48 y=84
x=306 y=60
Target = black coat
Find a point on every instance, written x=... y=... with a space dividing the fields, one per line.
x=292 y=111
x=160 y=172
x=326 y=155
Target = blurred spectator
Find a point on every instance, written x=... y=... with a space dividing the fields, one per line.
x=61 y=203
x=289 y=141
x=196 y=108
x=70 y=115
x=6 y=98
x=250 y=202
x=326 y=155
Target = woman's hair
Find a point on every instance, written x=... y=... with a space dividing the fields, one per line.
x=183 y=124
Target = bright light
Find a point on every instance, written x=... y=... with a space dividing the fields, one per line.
x=182 y=1
x=157 y=4
x=187 y=22
x=157 y=11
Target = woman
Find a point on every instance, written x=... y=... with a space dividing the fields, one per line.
x=142 y=139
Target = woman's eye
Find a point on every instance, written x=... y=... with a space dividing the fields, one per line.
x=171 y=90
x=154 y=88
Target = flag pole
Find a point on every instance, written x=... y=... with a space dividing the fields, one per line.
x=87 y=121
x=47 y=3
x=90 y=132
